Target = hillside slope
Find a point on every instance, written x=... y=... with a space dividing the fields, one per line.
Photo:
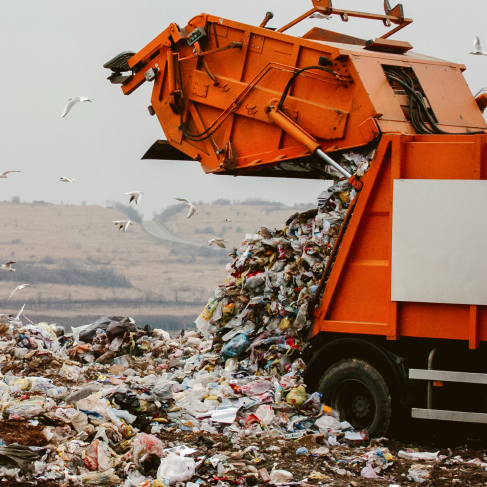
x=82 y=266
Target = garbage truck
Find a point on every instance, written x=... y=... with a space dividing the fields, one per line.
x=400 y=316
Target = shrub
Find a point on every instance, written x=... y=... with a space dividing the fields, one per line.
x=206 y=230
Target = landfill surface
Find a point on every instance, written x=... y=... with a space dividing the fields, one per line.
x=116 y=404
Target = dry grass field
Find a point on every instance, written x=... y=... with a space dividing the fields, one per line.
x=210 y=222
x=83 y=267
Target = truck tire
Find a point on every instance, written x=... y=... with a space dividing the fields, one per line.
x=359 y=392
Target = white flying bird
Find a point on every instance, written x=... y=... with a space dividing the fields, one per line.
x=135 y=195
x=4 y=174
x=18 y=288
x=123 y=224
x=192 y=209
x=218 y=241
x=477 y=48
x=8 y=266
x=228 y=220
x=67 y=180
x=72 y=102
x=319 y=16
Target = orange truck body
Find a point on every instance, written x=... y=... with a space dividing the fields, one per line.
x=222 y=96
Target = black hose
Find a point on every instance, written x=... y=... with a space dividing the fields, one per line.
x=417 y=108
x=208 y=133
x=293 y=78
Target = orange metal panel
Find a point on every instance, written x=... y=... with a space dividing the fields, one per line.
x=464 y=112
x=432 y=320
x=440 y=159
x=357 y=296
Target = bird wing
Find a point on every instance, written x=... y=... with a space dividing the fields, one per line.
x=130 y=192
x=13 y=292
x=71 y=103
x=211 y=242
x=139 y=196
x=10 y=263
x=132 y=198
x=476 y=44
x=192 y=211
x=7 y=172
x=221 y=244
x=184 y=200
x=20 y=312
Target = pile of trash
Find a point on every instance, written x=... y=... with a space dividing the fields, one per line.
x=114 y=404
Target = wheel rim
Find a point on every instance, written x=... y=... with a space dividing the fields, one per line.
x=355 y=403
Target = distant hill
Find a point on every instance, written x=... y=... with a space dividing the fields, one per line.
x=84 y=267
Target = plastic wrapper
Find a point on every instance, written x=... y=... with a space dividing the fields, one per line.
x=175 y=469
x=30 y=408
x=257 y=387
x=108 y=477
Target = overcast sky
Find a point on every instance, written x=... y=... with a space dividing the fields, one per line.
x=55 y=49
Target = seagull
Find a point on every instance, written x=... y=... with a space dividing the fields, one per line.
x=319 y=16
x=218 y=241
x=72 y=102
x=8 y=266
x=135 y=195
x=228 y=220
x=67 y=180
x=477 y=48
x=18 y=288
x=4 y=174
x=192 y=209
x=123 y=224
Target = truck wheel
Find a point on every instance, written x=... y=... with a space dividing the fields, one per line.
x=359 y=392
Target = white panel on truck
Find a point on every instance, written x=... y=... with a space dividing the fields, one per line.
x=439 y=241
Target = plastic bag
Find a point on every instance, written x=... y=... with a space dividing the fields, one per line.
x=257 y=387
x=418 y=455
x=265 y=414
x=101 y=478
x=30 y=408
x=22 y=455
x=163 y=389
x=78 y=419
x=70 y=372
x=369 y=473
x=202 y=326
x=175 y=468
x=236 y=346
x=328 y=423
x=280 y=476
x=418 y=473
x=41 y=384
x=94 y=407
x=134 y=479
x=121 y=414
x=296 y=396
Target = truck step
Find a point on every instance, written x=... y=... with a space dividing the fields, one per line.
x=447 y=376
x=443 y=415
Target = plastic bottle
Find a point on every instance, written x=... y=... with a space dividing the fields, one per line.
x=279 y=393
